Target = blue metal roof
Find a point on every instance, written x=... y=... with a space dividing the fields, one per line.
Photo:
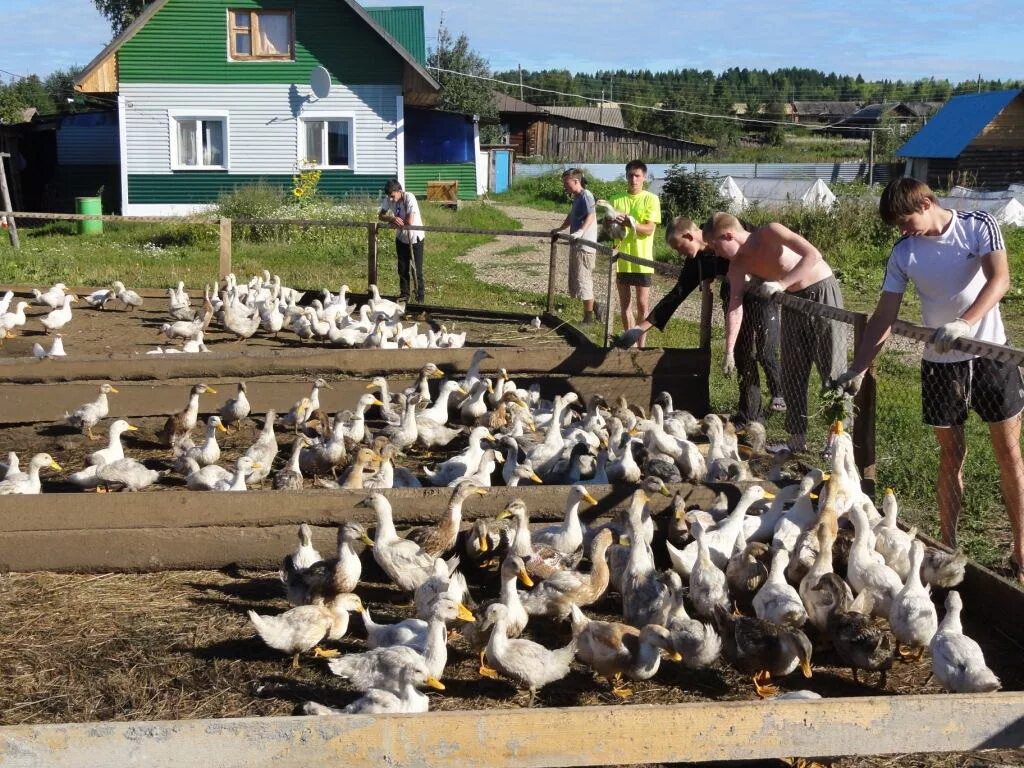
x=956 y=124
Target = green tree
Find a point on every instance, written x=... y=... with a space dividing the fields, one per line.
x=120 y=13
x=458 y=69
x=60 y=86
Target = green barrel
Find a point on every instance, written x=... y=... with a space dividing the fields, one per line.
x=87 y=206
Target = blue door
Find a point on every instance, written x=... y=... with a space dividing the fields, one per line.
x=502 y=169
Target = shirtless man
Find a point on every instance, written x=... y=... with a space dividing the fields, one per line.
x=781 y=260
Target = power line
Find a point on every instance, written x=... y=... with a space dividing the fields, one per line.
x=667 y=110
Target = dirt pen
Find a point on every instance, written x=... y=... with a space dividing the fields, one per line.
x=127 y=640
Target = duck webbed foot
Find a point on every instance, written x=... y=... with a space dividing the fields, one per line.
x=763 y=684
x=325 y=653
x=910 y=653
x=486 y=671
x=619 y=689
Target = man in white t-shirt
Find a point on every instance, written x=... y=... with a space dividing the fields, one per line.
x=582 y=224
x=958 y=263
x=400 y=209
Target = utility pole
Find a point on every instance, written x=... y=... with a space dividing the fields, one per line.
x=979 y=82
x=521 y=82
x=611 y=86
x=5 y=200
x=871 y=160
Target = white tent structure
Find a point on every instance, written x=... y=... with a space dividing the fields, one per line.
x=775 y=193
x=1008 y=211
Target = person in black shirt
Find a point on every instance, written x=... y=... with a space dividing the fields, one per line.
x=758 y=341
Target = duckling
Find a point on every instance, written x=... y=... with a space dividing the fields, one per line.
x=28 y=484
x=180 y=424
x=324 y=579
x=524 y=661
x=763 y=649
x=289 y=478
x=859 y=642
x=698 y=643
x=301 y=629
x=127 y=474
x=957 y=661
x=615 y=650
x=237 y=408
x=114 y=449
x=912 y=615
x=305 y=554
x=405 y=698
x=88 y=415
x=403 y=561
x=209 y=451
x=777 y=601
x=440 y=539
x=478 y=635
x=554 y=596
x=708 y=588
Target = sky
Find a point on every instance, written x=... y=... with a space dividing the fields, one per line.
x=894 y=39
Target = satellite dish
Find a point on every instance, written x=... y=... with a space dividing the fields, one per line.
x=320 y=82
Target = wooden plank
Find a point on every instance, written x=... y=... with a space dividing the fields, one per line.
x=371 y=254
x=102 y=78
x=532 y=738
x=225 y=248
x=552 y=273
x=5 y=200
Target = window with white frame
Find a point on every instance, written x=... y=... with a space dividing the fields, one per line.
x=199 y=141
x=327 y=142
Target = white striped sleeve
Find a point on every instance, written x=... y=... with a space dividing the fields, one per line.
x=986 y=235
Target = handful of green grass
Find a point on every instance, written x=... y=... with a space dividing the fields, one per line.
x=834 y=405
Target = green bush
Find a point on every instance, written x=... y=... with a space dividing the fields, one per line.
x=252 y=201
x=693 y=194
x=547 y=191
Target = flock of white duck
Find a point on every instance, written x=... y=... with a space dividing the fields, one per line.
x=751 y=584
x=241 y=310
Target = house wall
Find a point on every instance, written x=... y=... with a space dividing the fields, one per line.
x=262 y=138
x=417 y=176
x=327 y=33
x=560 y=140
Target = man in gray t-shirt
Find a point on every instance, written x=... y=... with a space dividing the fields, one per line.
x=582 y=223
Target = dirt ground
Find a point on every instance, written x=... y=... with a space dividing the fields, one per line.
x=179 y=645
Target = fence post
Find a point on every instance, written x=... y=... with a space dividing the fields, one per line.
x=866 y=404
x=5 y=198
x=552 y=271
x=371 y=254
x=225 y=248
x=609 y=319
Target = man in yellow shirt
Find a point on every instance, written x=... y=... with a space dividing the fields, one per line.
x=640 y=213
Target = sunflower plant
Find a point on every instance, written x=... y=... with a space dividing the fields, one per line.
x=305 y=182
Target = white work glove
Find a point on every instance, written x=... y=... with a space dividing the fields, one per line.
x=946 y=334
x=849 y=382
x=729 y=364
x=767 y=290
x=629 y=338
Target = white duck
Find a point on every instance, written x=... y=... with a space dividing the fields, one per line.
x=53 y=298
x=56 y=349
x=957 y=661
x=864 y=572
x=462 y=465
x=912 y=616
x=88 y=415
x=403 y=561
x=129 y=298
x=567 y=538
x=58 y=318
x=777 y=601
x=28 y=484
x=237 y=408
x=114 y=449
x=891 y=541
x=302 y=628
x=98 y=299
x=209 y=451
x=721 y=540
x=11 y=320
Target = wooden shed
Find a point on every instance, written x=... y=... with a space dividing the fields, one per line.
x=976 y=140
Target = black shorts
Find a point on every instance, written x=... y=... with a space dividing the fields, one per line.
x=641 y=279
x=994 y=390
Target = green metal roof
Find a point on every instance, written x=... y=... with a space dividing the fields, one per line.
x=405 y=24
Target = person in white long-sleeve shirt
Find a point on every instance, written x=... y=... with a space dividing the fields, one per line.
x=957 y=261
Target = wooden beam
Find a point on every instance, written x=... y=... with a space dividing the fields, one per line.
x=532 y=738
x=102 y=78
x=8 y=208
x=225 y=248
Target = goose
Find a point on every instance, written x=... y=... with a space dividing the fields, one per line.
x=209 y=451
x=777 y=601
x=236 y=409
x=957 y=660
x=58 y=318
x=524 y=661
x=405 y=562
x=615 y=650
x=302 y=628
x=114 y=449
x=88 y=415
x=28 y=484
x=52 y=298
x=912 y=615
x=180 y=424
x=130 y=299
x=324 y=579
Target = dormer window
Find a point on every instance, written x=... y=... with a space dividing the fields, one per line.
x=261 y=34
